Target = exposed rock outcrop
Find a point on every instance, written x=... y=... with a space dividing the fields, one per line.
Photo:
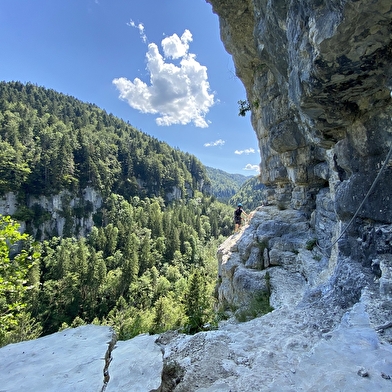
x=87 y=358
x=318 y=81
x=56 y=215
x=286 y=350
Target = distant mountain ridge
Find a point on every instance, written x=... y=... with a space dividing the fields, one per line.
x=225 y=185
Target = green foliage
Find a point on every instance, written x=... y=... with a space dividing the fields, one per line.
x=224 y=185
x=245 y=106
x=250 y=195
x=50 y=142
x=13 y=170
x=148 y=264
x=311 y=244
x=16 y=261
x=23 y=214
x=196 y=303
x=149 y=268
x=258 y=306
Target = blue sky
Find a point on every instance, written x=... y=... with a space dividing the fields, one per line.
x=159 y=64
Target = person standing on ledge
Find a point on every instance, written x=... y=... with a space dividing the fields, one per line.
x=238 y=217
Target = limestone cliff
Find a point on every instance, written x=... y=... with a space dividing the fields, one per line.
x=318 y=81
x=56 y=215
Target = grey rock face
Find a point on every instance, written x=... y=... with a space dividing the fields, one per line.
x=273 y=243
x=318 y=79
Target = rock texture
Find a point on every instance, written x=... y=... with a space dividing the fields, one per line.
x=57 y=215
x=331 y=327
x=70 y=360
x=285 y=350
x=87 y=358
x=318 y=81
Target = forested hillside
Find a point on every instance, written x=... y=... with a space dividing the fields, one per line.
x=251 y=194
x=147 y=265
x=224 y=185
x=50 y=141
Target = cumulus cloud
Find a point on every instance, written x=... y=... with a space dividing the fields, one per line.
x=179 y=94
x=252 y=167
x=219 y=142
x=176 y=47
x=246 y=152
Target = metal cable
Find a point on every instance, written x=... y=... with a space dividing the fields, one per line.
x=363 y=201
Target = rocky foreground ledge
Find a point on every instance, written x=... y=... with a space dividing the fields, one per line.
x=281 y=351
x=331 y=329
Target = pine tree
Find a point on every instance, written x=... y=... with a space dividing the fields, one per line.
x=197 y=303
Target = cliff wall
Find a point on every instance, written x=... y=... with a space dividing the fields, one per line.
x=318 y=81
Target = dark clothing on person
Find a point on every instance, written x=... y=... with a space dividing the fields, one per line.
x=237 y=215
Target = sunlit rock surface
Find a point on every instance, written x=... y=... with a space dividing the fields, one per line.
x=86 y=358
x=318 y=80
x=286 y=350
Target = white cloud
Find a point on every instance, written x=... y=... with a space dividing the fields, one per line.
x=247 y=151
x=178 y=93
x=219 y=142
x=252 y=167
x=140 y=27
x=175 y=47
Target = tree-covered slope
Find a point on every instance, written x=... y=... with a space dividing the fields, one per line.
x=251 y=194
x=50 y=142
x=147 y=263
x=224 y=185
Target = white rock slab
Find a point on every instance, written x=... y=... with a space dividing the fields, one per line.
x=71 y=360
x=136 y=365
x=352 y=360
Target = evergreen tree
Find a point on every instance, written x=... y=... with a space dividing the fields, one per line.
x=197 y=303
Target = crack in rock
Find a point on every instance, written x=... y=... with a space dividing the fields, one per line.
x=108 y=360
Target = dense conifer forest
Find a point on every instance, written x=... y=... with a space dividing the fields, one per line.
x=225 y=185
x=251 y=194
x=51 y=141
x=149 y=262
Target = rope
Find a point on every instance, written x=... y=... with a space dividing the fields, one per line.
x=363 y=201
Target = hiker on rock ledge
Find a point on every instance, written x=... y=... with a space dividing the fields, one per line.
x=238 y=217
